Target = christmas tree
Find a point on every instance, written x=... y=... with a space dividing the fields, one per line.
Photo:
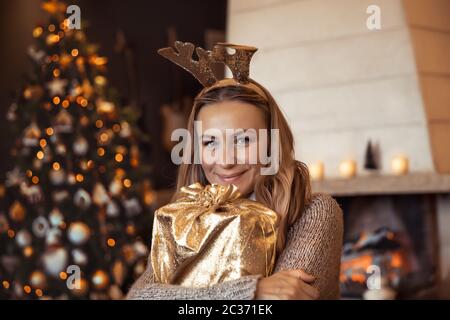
x=75 y=201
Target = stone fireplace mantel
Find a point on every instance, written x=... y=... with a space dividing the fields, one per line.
x=414 y=183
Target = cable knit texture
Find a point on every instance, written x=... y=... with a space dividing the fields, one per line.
x=314 y=244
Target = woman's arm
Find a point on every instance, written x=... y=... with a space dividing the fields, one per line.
x=146 y=289
x=314 y=244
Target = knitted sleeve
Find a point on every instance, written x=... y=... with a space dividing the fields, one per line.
x=314 y=244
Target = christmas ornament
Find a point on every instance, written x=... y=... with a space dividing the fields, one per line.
x=31 y=136
x=80 y=146
x=28 y=251
x=53 y=236
x=4 y=225
x=112 y=209
x=57 y=87
x=100 y=196
x=47 y=154
x=104 y=107
x=71 y=179
x=78 y=233
x=64 y=60
x=79 y=257
x=14 y=177
x=38 y=280
x=57 y=177
x=75 y=89
x=63 y=122
x=80 y=64
x=115 y=293
x=23 y=238
x=37 y=55
x=132 y=207
x=33 y=93
x=82 y=199
x=33 y=193
x=61 y=149
x=11 y=115
x=52 y=39
x=139 y=268
x=129 y=254
x=125 y=131
x=53 y=7
x=83 y=165
x=17 y=211
x=37 y=164
x=54 y=260
x=56 y=217
x=104 y=137
x=9 y=262
x=84 y=121
x=118 y=271
x=60 y=196
x=100 y=81
x=87 y=89
x=100 y=279
x=40 y=227
x=37 y=32
x=140 y=248
x=81 y=289
x=116 y=186
x=149 y=194
x=98 y=61
x=134 y=152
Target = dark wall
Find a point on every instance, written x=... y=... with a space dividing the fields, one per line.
x=144 y=23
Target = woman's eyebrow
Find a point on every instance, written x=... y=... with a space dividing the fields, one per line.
x=207 y=136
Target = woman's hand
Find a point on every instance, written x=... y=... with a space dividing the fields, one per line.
x=287 y=285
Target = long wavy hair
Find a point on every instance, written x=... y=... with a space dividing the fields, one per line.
x=289 y=190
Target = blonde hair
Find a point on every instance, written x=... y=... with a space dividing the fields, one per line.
x=289 y=190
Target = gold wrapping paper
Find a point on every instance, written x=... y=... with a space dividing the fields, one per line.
x=211 y=235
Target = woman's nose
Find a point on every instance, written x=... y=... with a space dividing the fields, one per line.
x=227 y=156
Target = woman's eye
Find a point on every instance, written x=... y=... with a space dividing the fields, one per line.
x=209 y=144
x=243 y=141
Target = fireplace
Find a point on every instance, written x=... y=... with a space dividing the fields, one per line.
x=395 y=234
x=392 y=235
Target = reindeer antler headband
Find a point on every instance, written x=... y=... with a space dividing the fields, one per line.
x=201 y=69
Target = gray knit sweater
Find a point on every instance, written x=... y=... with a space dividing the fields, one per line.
x=314 y=244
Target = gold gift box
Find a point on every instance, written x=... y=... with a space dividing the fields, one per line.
x=211 y=235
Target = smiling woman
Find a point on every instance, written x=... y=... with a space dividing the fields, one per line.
x=309 y=238
x=232 y=166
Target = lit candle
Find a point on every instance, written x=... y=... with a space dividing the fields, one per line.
x=347 y=168
x=400 y=165
x=316 y=170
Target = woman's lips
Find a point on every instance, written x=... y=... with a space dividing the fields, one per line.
x=231 y=177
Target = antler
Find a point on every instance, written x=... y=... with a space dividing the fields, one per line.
x=200 y=69
x=238 y=62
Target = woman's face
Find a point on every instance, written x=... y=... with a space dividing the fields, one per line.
x=229 y=142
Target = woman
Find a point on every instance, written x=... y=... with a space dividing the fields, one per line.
x=311 y=228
